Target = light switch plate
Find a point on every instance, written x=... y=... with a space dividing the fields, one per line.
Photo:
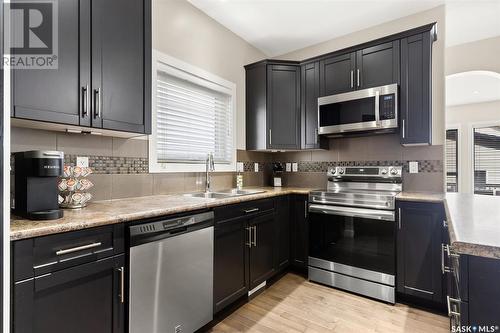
x=82 y=161
x=295 y=167
x=413 y=167
x=288 y=167
x=239 y=167
x=256 y=167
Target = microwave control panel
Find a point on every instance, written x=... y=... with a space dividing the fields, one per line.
x=387 y=106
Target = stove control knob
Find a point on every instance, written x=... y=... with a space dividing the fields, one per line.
x=341 y=171
x=383 y=171
x=394 y=172
x=333 y=171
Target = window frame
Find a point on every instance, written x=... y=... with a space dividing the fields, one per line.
x=472 y=127
x=183 y=70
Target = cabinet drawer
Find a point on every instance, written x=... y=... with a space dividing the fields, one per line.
x=42 y=255
x=249 y=208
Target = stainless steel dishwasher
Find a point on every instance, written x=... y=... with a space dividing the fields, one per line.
x=171 y=274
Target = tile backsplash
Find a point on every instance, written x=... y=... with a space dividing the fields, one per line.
x=121 y=165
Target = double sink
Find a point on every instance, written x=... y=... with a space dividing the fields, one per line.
x=233 y=192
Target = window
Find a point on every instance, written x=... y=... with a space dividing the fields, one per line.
x=452 y=160
x=487 y=160
x=193 y=114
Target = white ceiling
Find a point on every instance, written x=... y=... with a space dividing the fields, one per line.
x=472 y=87
x=280 y=26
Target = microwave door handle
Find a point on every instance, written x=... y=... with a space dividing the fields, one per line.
x=377 y=107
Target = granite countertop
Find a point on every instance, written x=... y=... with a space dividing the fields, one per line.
x=106 y=212
x=474 y=224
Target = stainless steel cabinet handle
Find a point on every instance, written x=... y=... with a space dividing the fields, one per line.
x=445 y=224
x=352 y=78
x=78 y=248
x=357 y=77
x=122 y=284
x=399 y=218
x=305 y=209
x=315 y=135
x=249 y=243
x=444 y=268
x=270 y=136
x=403 y=127
x=253 y=210
x=448 y=302
x=85 y=100
x=97 y=103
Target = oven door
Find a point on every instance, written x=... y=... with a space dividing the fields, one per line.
x=354 y=238
x=362 y=110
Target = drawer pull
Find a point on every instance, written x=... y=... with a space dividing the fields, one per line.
x=444 y=268
x=253 y=210
x=249 y=243
x=448 y=302
x=78 y=248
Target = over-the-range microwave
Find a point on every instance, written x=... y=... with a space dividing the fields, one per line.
x=372 y=109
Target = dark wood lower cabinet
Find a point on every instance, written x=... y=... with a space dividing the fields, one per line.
x=262 y=249
x=419 y=240
x=230 y=261
x=282 y=226
x=80 y=299
x=299 y=232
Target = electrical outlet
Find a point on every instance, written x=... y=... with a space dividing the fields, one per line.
x=239 y=167
x=82 y=161
x=295 y=167
x=288 y=167
x=413 y=166
x=256 y=167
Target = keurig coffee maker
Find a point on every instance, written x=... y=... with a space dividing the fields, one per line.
x=36 y=176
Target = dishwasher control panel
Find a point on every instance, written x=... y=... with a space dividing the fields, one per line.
x=170 y=224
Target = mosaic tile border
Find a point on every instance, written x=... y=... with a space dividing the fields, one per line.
x=423 y=165
x=113 y=164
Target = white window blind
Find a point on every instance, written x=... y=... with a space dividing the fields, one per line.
x=452 y=160
x=486 y=159
x=191 y=121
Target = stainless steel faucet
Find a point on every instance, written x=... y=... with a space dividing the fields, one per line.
x=209 y=167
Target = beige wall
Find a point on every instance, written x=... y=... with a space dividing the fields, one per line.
x=184 y=32
x=434 y=15
x=478 y=55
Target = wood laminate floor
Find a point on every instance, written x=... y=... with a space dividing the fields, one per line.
x=294 y=304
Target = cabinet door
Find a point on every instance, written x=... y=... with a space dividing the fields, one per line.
x=118 y=72
x=337 y=74
x=377 y=65
x=419 y=251
x=484 y=294
x=300 y=239
x=230 y=261
x=415 y=89
x=263 y=248
x=80 y=299
x=57 y=95
x=309 y=106
x=282 y=232
x=283 y=102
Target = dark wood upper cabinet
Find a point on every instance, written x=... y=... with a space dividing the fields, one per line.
x=337 y=74
x=419 y=240
x=309 y=107
x=273 y=105
x=416 y=89
x=54 y=95
x=377 y=65
x=102 y=80
x=283 y=102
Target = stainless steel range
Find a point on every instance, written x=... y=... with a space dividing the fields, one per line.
x=352 y=230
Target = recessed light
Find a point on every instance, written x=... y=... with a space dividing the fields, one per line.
x=475 y=92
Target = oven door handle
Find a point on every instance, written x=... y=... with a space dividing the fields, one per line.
x=373 y=214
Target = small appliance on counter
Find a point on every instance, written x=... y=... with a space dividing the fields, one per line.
x=36 y=176
x=277 y=174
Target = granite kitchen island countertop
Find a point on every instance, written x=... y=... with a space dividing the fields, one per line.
x=107 y=212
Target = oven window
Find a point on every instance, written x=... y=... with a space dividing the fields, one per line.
x=353 y=241
x=348 y=112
